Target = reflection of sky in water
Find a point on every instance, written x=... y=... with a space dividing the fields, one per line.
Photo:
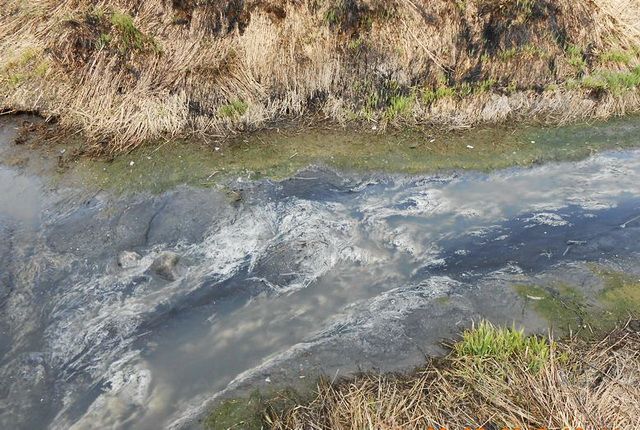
x=282 y=273
x=19 y=197
x=396 y=229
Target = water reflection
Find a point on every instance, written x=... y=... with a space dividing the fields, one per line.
x=324 y=272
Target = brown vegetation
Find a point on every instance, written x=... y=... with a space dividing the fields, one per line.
x=126 y=71
x=493 y=378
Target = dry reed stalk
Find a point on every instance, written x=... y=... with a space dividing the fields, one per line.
x=127 y=71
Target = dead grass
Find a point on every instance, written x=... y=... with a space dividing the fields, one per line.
x=126 y=71
x=578 y=385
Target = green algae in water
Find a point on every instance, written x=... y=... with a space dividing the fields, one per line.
x=156 y=168
x=237 y=413
x=566 y=308
x=621 y=293
x=249 y=413
x=563 y=306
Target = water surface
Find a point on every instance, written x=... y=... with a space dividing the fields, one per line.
x=328 y=271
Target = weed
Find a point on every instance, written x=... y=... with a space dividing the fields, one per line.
x=233 y=109
x=332 y=17
x=486 y=85
x=430 y=96
x=486 y=341
x=131 y=38
x=400 y=106
x=619 y=57
x=356 y=44
x=507 y=54
x=104 y=40
x=614 y=82
x=575 y=57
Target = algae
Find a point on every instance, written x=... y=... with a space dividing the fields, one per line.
x=250 y=413
x=567 y=308
x=280 y=154
x=621 y=293
x=562 y=305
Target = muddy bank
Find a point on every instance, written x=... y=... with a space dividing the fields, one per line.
x=142 y=309
x=123 y=73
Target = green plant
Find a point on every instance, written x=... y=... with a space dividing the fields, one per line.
x=486 y=85
x=507 y=54
x=620 y=57
x=512 y=87
x=103 y=41
x=614 y=82
x=332 y=16
x=28 y=65
x=575 y=57
x=233 y=109
x=430 y=96
x=130 y=37
x=465 y=89
x=400 y=106
x=356 y=44
x=488 y=342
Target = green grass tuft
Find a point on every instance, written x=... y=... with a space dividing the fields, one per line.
x=575 y=56
x=488 y=342
x=131 y=38
x=619 y=57
x=613 y=82
x=233 y=109
x=400 y=106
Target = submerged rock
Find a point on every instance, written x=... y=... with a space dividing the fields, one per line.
x=128 y=259
x=165 y=265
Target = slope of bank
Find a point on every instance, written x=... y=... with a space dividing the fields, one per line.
x=126 y=71
x=493 y=378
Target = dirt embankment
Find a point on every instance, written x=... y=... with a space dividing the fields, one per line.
x=126 y=71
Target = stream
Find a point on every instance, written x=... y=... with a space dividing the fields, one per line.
x=141 y=310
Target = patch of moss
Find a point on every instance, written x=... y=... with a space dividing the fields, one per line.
x=443 y=300
x=237 y=414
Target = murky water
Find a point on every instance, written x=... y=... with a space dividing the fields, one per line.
x=278 y=281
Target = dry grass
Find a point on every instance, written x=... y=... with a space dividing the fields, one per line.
x=579 y=385
x=126 y=71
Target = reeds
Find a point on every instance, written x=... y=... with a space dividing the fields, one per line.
x=128 y=71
